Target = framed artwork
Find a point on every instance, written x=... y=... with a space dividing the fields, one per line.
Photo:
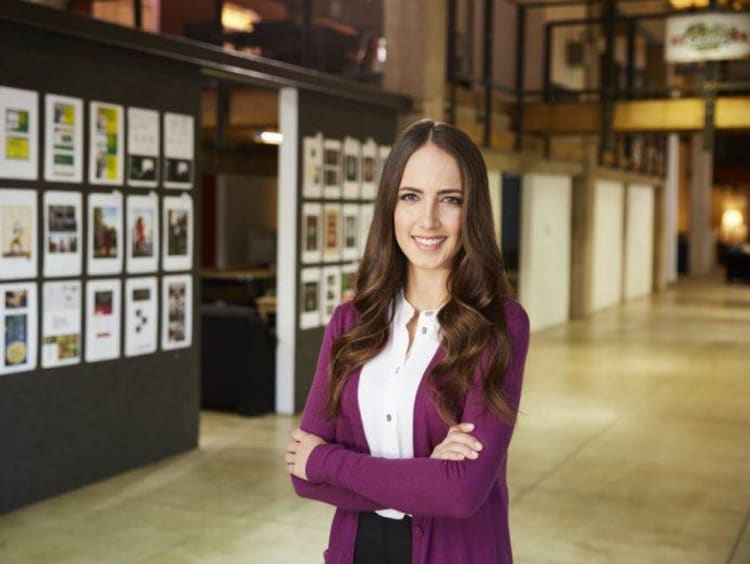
x=369 y=170
x=177 y=311
x=348 y=272
x=19 y=133
x=106 y=144
x=63 y=233
x=332 y=169
x=102 y=319
x=350 y=232
x=310 y=310
x=18 y=234
x=61 y=323
x=179 y=150
x=331 y=232
x=352 y=169
x=105 y=237
x=312 y=233
x=141 y=314
x=142 y=233
x=177 y=234
x=312 y=155
x=143 y=148
x=18 y=314
x=331 y=292
x=63 y=153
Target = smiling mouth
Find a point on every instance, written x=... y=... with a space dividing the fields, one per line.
x=428 y=243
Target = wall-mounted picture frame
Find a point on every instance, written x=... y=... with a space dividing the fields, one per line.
x=330 y=292
x=332 y=169
x=179 y=151
x=142 y=233
x=352 y=169
x=369 y=170
x=19 y=133
x=348 y=272
x=102 y=319
x=177 y=233
x=63 y=143
x=312 y=159
x=331 y=232
x=105 y=234
x=310 y=294
x=106 y=144
x=61 y=323
x=350 y=231
x=143 y=148
x=62 y=244
x=312 y=233
x=177 y=311
x=18 y=315
x=18 y=234
x=141 y=315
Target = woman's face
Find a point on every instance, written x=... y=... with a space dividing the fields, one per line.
x=429 y=209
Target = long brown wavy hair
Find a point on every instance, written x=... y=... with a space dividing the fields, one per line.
x=477 y=283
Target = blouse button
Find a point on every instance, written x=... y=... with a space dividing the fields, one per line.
x=418 y=530
x=424 y=330
x=388 y=417
x=428 y=312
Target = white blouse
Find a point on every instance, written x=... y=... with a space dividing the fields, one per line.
x=388 y=385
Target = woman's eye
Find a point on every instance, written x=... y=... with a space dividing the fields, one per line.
x=453 y=200
x=409 y=196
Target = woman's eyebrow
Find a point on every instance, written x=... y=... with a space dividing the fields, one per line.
x=420 y=191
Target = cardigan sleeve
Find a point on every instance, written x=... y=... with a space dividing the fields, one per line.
x=427 y=486
x=315 y=422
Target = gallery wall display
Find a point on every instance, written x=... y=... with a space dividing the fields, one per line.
x=331 y=232
x=143 y=148
x=310 y=297
x=19 y=135
x=18 y=234
x=141 y=314
x=102 y=319
x=177 y=311
x=352 y=169
x=63 y=145
x=179 y=151
x=312 y=233
x=331 y=169
x=312 y=158
x=106 y=144
x=177 y=237
x=61 y=323
x=142 y=233
x=63 y=233
x=105 y=236
x=18 y=315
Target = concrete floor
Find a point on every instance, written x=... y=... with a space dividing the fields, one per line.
x=633 y=446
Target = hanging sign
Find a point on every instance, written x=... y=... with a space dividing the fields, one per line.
x=707 y=37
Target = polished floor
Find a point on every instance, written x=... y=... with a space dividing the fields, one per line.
x=633 y=447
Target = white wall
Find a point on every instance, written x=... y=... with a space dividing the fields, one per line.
x=544 y=264
x=495 y=181
x=639 y=241
x=608 y=244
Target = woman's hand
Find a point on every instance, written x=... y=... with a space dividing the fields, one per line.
x=458 y=444
x=298 y=451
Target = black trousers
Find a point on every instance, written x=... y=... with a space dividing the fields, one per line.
x=382 y=541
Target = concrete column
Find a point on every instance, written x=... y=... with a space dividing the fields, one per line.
x=671 y=200
x=701 y=258
x=416 y=39
x=582 y=236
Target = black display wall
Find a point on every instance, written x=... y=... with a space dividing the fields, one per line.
x=61 y=428
x=335 y=118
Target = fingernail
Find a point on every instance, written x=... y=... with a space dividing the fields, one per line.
x=478 y=445
x=473 y=454
x=469 y=425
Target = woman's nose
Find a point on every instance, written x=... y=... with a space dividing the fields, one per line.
x=429 y=217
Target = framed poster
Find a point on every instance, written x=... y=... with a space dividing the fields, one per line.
x=331 y=232
x=61 y=323
x=312 y=155
x=142 y=233
x=102 y=319
x=179 y=150
x=19 y=133
x=141 y=314
x=178 y=233
x=63 y=233
x=18 y=238
x=63 y=139
x=18 y=334
x=310 y=294
x=105 y=246
x=312 y=233
x=348 y=272
x=332 y=169
x=352 y=169
x=350 y=232
x=331 y=292
x=369 y=170
x=383 y=152
x=365 y=219
x=177 y=311
x=143 y=148
x=106 y=144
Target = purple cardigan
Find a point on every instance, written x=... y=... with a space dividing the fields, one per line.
x=459 y=508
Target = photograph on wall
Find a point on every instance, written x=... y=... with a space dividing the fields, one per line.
x=310 y=310
x=179 y=134
x=141 y=310
x=63 y=232
x=177 y=311
x=143 y=148
x=18 y=238
x=142 y=233
x=19 y=133
x=369 y=170
x=350 y=232
x=61 y=323
x=63 y=144
x=331 y=292
x=312 y=233
x=352 y=169
x=383 y=153
x=18 y=316
x=177 y=235
x=365 y=219
x=102 y=319
x=312 y=155
x=331 y=232
x=347 y=281
x=105 y=237
x=332 y=169
x=106 y=143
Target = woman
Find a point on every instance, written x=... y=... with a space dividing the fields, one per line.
x=407 y=424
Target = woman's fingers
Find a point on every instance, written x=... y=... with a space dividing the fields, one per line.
x=465 y=439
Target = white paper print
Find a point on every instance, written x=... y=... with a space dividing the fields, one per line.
x=18 y=334
x=102 y=319
x=143 y=148
x=63 y=233
x=332 y=169
x=365 y=219
x=142 y=233
x=177 y=233
x=61 y=323
x=352 y=169
x=63 y=146
x=106 y=144
x=105 y=236
x=312 y=158
x=312 y=233
x=310 y=310
x=331 y=232
x=19 y=133
x=178 y=150
x=177 y=311
x=141 y=311
x=383 y=153
x=369 y=170
x=350 y=232
x=18 y=234
x=347 y=281
x=331 y=292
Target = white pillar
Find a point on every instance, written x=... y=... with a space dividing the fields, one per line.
x=671 y=197
x=701 y=257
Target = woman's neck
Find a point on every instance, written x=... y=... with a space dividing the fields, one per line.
x=426 y=289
